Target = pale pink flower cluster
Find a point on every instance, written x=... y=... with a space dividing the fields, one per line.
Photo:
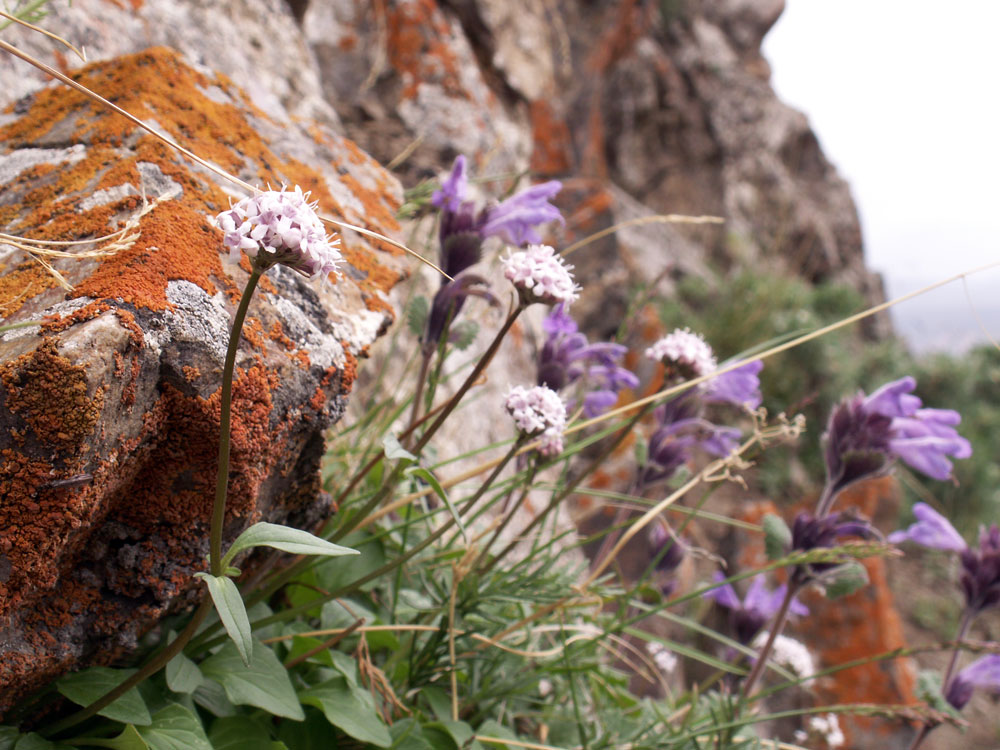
x=539 y=412
x=540 y=275
x=280 y=226
x=685 y=351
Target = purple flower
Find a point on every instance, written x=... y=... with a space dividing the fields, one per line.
x=758 y=606
x=865 y=433
x=567 y=357
x=680 y=429
x=982 y=673
x=448 y=302
x=931 y=530
x=453 y=189
x=740 y=387
x=921 y=437
x=981 y=570
x=514 y=220
x=279 y=226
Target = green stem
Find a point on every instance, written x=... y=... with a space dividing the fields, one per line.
x=222 y=478
x=150 y=668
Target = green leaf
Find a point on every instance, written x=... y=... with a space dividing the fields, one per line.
x=88 y=685
x=394 y=449
x=777 y=537
x=490 y=728
x=351 y=710
x=241 y=733
x=334 y=574
x=175 y=728
x=129 y=739
x=439 y=491
x=285 y=538
x=845 y=579
x=459 y=732
x=928 y=689
x=416 y=315
x=315 y=733
x=463 y=334
x=406 y=735
x=265 y=684
x=34 y=741
x=8 y=736
x=183 y=675
x=212 y=697
x=232 y=612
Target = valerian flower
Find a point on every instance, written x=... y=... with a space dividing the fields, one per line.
x=982 y=673
x=540 y=275
x=751 y=614
x=685 y=354
x=865 y=433
x=280 y=226
x=567 y=358
x=980 y=565
x=538 y=412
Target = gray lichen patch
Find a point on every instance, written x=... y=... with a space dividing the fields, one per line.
x=17 y=161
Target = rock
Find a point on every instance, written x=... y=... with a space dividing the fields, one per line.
x=256 y=43
x=109 y=411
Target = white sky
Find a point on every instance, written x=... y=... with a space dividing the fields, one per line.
x=905 y=98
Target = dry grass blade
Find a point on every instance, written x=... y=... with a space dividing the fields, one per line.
x=655 y=219
x=193 y=156
x=78 y=52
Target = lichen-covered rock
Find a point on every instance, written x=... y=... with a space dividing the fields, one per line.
x=109 y=410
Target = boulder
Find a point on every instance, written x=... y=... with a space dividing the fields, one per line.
x=109 y=408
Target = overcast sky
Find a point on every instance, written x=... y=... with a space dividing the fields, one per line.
x=905 y=98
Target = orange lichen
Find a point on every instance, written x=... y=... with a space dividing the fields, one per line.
x=418 y=48
x=551 y=141
x=50 y=394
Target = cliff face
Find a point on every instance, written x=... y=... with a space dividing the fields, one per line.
x=109 y=409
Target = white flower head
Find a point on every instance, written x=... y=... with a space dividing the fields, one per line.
x=685 y=353
x=828 y=727
x=540 y=275
x=538 y=412
x=663 y=657
x=280 y=226
x=789 y=653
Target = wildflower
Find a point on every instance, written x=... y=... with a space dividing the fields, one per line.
x=680 y=429
x=828 y=727
x=789 y=653
x=758 y=606
x=684 y=354
x=538 y=412
x=740 y=387
x=279 y=226
x=865 y=433
x=462 y=230
x=514 y=220
x=982 y=673
x=980 y=565
x=540 y=275
x=663 y=657
x=567 y=357
x=931 y=530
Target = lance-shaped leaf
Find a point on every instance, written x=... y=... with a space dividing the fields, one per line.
x=285 y=538
x=232 y=612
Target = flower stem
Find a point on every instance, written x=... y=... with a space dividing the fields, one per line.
x=226 y=403
x=779 y=624
x=425 y=363
x=159 y=660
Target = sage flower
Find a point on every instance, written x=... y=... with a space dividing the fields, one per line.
x=749 y=615
x=982 y=673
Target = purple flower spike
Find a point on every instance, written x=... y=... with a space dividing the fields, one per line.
x=740 y=387
x=866 y=432
x=931 y=530
x=515 y=219
x=453 y=190
x=567 y=357
x=982 y=673
x=981 y=570
x=758 y=606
